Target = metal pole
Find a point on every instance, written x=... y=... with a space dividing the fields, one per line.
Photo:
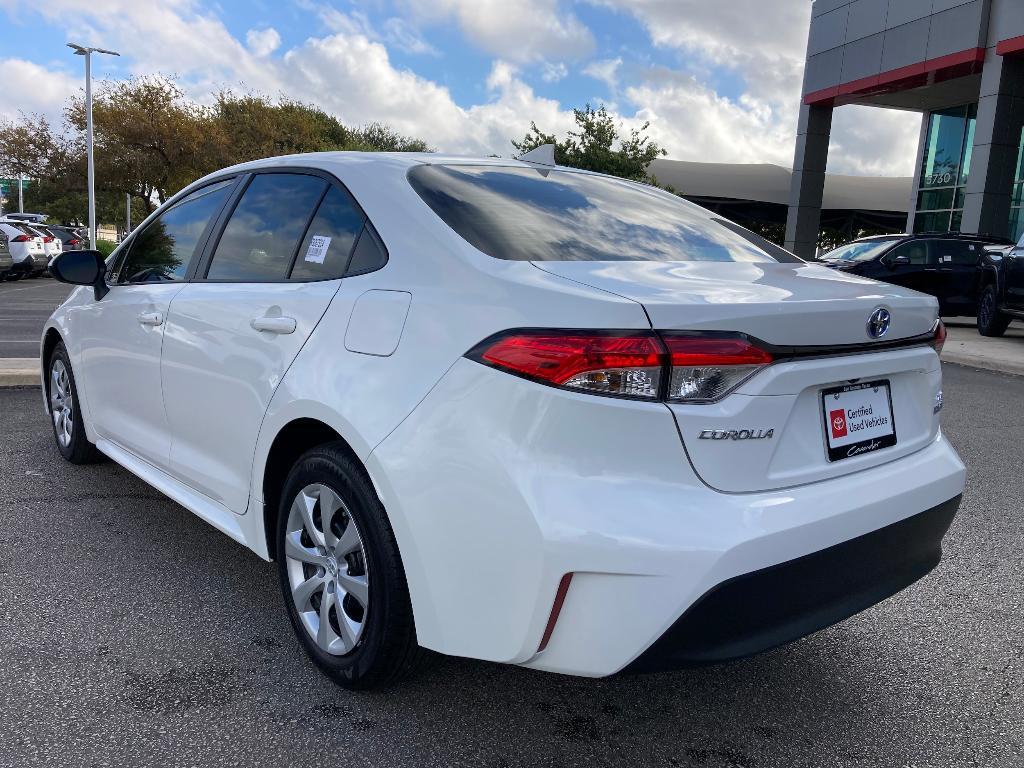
x=88 y=149
x=127 y=214
x=21 y=198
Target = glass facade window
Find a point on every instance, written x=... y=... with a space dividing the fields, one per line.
x=945 y=169
x=1017 y=200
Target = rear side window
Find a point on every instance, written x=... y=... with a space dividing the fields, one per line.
x=369 y=254
x=162 y=251
x=957 y=252
x=526 y=214
x=329 y=240
x=264 y=232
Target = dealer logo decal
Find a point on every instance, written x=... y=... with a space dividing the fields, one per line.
x=837 y=419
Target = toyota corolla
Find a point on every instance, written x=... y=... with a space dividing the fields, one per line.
x=510 y=411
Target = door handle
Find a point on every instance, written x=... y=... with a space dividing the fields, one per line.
x=151 y=318
x=274 y=324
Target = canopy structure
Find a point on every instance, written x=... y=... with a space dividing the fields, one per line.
x=759 y=193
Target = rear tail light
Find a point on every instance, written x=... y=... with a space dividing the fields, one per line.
x=939 y=336
x=690 y=368
x=624 y=364
x=21 y=239
x=48 y=239
x=706 y=368
x=72 y=243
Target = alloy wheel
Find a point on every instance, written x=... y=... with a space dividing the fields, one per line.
x=327 y=569
x=62 y=403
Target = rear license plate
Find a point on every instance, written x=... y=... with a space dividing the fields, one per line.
x=858 y=419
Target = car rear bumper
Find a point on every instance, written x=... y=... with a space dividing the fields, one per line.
x=561 y=483
x=781 y=603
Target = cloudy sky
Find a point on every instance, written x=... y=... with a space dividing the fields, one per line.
x=718 y=81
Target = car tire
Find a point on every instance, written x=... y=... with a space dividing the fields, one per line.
x=991 y=322
x=65 y=413
x=377 y=644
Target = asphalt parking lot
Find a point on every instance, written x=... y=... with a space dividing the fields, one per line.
x=135 y=634
x=24 y=307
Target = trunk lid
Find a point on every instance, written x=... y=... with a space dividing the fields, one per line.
x=782 y=304
x=780 y=415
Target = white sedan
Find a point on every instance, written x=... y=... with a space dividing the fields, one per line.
x=511 y=411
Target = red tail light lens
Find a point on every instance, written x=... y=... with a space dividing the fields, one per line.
x=73 y=242
x=706 y=368
x=48 y=239
x=681 y=368
x=939 y=336
x=625 y=364
x=21 y=239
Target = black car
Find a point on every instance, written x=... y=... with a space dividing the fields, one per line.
x=1002 y=290
x=70 y=238
x=943 y=265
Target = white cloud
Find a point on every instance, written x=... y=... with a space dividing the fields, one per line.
x=552 y=73
x=765 y=43
x=31 y=89
x=605 y=70
x=512 y=30
x=263 y=42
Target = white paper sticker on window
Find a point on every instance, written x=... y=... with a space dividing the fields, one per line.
x=317 y=251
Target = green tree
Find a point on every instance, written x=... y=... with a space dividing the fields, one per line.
x=596 y=145
x=151 y=140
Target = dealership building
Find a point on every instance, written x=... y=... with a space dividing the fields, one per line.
x=960 y=63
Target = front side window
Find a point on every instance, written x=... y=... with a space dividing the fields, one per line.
x=162 y=251
x=916 y=251
x=264 y=232
x=527 y=214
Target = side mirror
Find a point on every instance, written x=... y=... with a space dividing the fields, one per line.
x=82 y=268
x=899 y=261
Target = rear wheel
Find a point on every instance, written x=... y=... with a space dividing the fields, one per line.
x=65 y=415
x=341 y=573
x=991 y=322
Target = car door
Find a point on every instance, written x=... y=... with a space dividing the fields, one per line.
x=908 y=265
x=233 y=332
x=1014 y=274
x=121 y=335
x=956 y=279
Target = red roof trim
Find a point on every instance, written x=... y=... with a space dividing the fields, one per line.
x=957 y=64
x=1011 y=47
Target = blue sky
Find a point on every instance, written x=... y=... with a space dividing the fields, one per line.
x=717 y=81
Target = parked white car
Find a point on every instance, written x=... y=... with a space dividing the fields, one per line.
x=511 y=412
x=28 y=252
x=53 y=246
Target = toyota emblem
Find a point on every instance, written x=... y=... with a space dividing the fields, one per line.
x=878 y=323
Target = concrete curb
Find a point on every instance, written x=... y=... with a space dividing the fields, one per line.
x=19 y=372
x=979 y=361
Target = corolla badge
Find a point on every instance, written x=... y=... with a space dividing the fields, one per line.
x=878 y=323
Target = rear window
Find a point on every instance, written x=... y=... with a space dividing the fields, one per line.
x=526 y=214
x=866 y=250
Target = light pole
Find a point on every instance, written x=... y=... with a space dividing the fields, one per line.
x=82 y=50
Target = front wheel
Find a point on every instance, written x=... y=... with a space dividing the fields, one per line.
x=991 y=322
x=65 y=413
x=341 y=574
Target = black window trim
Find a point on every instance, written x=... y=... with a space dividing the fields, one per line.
x=202 y=265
